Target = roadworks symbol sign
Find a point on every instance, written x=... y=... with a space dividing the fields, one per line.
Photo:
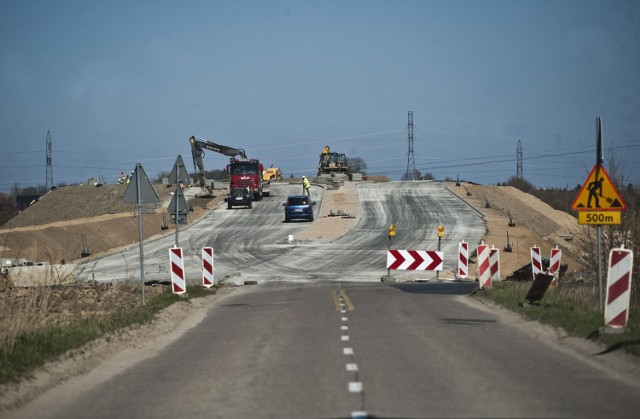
x=598 y=193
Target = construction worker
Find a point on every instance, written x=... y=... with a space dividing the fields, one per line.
x=306 y=186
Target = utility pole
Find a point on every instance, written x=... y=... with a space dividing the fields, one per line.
x=519 y=159
x=411 y=164
x=49 y=176
x=599 y=161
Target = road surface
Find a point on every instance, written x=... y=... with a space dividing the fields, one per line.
x=337 y=350
x=252 y=245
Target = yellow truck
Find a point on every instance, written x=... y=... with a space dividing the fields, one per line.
x=272 y=173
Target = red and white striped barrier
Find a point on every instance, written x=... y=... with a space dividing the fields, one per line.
x=415 y=260
x=484 y=271
x=494 y=264
x=536 y=261
x=207 y=267
x=463 y=259
x=178 y=283
x=554 y=266
x=616 y=311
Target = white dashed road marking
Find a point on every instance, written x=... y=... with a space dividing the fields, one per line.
x=355 y=387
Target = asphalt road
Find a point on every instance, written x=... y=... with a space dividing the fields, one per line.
x=339 y=350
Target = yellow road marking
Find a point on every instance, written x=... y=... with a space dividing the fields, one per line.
x=336 y=295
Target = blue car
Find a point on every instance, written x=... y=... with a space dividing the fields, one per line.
x=298 y=207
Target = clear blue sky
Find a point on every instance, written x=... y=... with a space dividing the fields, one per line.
x=122 y=82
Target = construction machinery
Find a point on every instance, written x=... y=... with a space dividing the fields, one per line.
x=332 y=162
x=85 y=248
x=272 y=173
x=244 y=172
x=96 y=181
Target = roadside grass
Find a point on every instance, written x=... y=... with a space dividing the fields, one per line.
x=33 y=347
x=571 y=307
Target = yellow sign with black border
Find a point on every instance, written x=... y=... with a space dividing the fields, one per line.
x=599 y=217
x=598 y=193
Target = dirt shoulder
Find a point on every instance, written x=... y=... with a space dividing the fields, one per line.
x=59 y=226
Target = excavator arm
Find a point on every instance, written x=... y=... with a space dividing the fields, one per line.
x=197 y=152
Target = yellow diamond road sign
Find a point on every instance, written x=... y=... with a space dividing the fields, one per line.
x=598 y=193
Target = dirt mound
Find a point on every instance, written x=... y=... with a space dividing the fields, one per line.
x=51 y=229
x=74 y=202
x=536 y=224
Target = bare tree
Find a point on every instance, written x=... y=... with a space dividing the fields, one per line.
x=520 y=183
x=357 y=165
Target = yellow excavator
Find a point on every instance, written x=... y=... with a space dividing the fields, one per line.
x=272 y=173
x=331 y=162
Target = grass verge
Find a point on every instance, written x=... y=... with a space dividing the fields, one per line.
x=573 y=308
x=33 y=348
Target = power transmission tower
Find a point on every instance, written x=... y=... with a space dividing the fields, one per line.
x=49 y=180
x=519 y=163
x=411 y=164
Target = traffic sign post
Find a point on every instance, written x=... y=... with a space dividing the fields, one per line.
x=440 y=236
x=179 y=175
x=392 y=233
x=599 y=203
x=139 y=191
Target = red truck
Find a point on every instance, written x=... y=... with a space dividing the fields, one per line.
x=244 y=172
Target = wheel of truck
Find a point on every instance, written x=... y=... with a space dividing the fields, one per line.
x=250 y=205
x=286 y=219
x=311 y=217
x=229 y=206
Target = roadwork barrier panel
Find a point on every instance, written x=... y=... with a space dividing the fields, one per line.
x=554 y=265
x=494 y=263
x=536 y=261
x=616 y=311
x=484 y=270
x=463 y=259
x=415 y=260
x=207 y=267
x=178 y=282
